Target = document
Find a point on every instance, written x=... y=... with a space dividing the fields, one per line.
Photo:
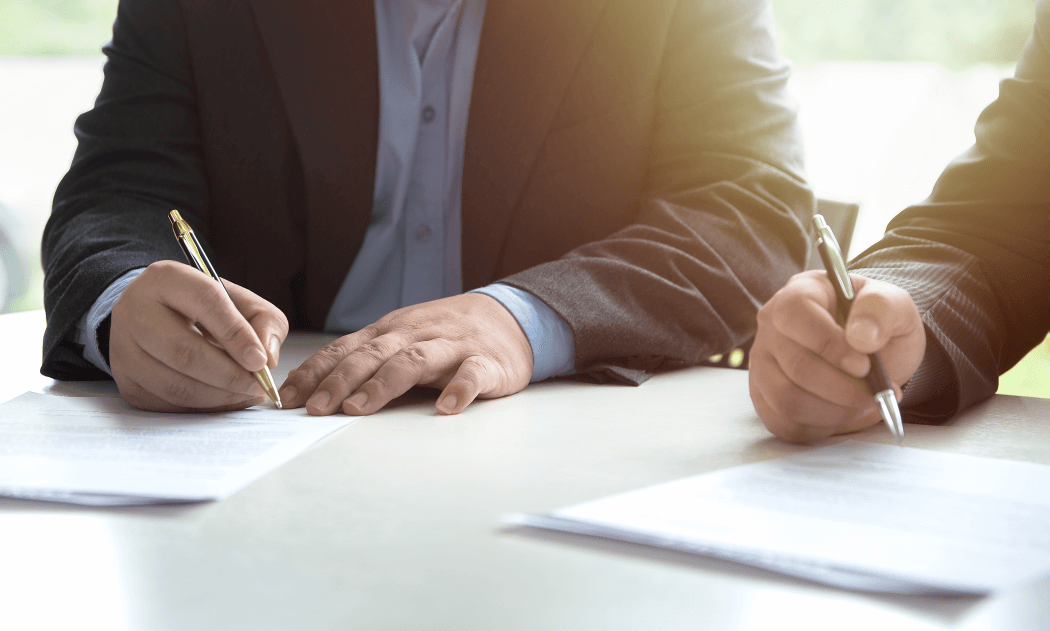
x=100 y=451
x=855 y=515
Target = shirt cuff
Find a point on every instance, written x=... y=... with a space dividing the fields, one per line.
x=87 y=328
x=553 y=347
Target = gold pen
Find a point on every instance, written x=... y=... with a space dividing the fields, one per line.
x=197 y=258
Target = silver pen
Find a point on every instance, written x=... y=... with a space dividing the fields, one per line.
x=878 y=381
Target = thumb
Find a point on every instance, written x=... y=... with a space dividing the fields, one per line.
x=880 y=312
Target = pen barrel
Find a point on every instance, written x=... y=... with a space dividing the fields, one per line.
x=878 y=379
x=187 y=252
x=209 y=269
x=843 y=303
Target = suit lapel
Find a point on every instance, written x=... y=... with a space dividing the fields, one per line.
x=324 y=56
x=526 y=59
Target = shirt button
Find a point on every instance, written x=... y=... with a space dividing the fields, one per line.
x=423 y=233
x=428 y=114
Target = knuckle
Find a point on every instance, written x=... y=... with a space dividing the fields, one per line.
x=158 y=269
x=378 y=383
x=235 y=383
x=166 y=265
x=472 y=372
x=235 y=331
x=181 y=392
x=208 y=298
x=412 y=357
x=333 y=351
x=185 y=357
x=830 y=349
x=122 y=311
x=338 y=380
x=372 y=351
x=794 y=364
x=282 y=322
x=300 y=375
x=765 y=314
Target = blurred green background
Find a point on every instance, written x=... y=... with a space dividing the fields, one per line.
x=954 y=33
x=55 y=27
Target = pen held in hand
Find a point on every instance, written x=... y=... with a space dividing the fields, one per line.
x=196 y=257
x=878 y=380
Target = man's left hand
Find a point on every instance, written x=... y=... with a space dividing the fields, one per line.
x=467 y=345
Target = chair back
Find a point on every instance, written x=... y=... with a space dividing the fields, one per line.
x=842 y=219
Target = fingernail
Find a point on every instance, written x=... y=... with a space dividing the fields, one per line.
x=254 y=357
x=320 y=401
x=275 y=347
x=447 y=403
x=288 y=394
x=359 y=400
x=864 y=331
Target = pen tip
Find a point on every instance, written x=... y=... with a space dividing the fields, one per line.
x=278 y=404
x=891 y=414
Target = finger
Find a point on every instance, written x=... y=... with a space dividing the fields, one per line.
x=785 y=428
x=201 y=300
x=358 y=363
x=187 y=352
x=476 y=375
x=794 y=413
x=419 y=363
x=303 y=381
x=801 y=312
x=880 y=312
x=816 y=376
x=155 y=387
x=269 y=323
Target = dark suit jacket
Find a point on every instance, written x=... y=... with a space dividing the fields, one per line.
x=635 y=165
x=975 y=256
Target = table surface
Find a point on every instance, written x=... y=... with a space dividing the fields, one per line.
x=395 y=522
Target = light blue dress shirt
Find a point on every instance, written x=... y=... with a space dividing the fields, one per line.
x=411 y=252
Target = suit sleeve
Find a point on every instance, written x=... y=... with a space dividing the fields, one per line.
x=138 y=157
x=975 y=255
x=722 y=225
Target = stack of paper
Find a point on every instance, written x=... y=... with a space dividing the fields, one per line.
x=856 y=515
x=99 y=451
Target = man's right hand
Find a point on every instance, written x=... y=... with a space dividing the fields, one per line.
x=159 y=353
x=806 y=370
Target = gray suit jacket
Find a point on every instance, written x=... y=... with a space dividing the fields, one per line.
x=635 y=165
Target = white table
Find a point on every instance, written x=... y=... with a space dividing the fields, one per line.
x=394 y=523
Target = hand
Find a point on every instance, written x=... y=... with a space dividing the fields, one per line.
x=807 y=372
x=468 y=345
x=177 y=344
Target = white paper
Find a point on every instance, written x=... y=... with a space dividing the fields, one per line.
x=100 y=451
x=855 y=515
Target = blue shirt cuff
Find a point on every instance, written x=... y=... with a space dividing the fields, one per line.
x=87 y=328
x=553 y=347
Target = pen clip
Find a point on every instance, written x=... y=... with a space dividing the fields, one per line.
x=832 y=255
x=190 y=246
